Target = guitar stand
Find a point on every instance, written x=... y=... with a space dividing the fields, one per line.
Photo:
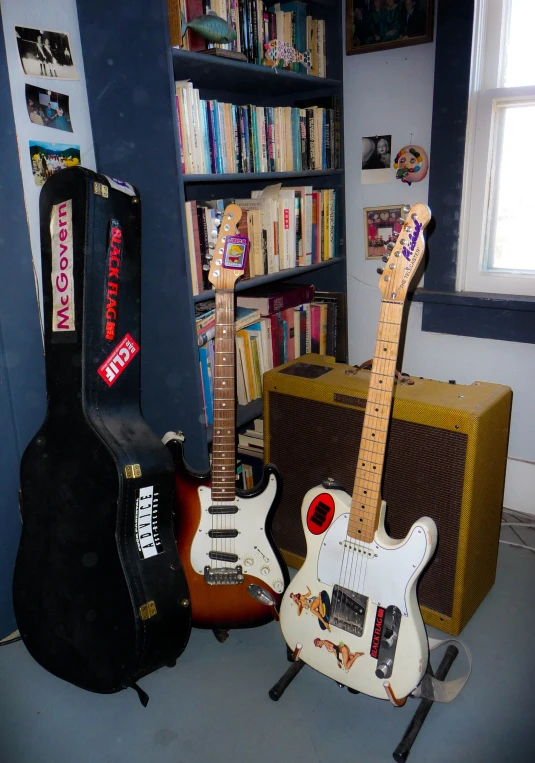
x=401 y=753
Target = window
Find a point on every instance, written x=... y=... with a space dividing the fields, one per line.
x=496 y=246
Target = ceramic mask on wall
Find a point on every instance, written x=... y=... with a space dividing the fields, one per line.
x=411 y=164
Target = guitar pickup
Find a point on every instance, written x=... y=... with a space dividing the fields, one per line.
x=222 y=509
x=221 y=556
x=222 y=533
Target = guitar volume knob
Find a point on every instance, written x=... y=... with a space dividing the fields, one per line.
x=248 y=561
x=264 y=570
x=384 y=669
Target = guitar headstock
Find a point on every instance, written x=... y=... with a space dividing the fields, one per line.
x=406 y=254
x=230 y=257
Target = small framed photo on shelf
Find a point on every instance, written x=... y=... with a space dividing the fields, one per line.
x=384 y=24
x=381 y=226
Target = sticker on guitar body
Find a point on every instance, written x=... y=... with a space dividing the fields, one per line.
x=345 y=659
x=318 y=604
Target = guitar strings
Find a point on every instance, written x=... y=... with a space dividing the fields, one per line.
x=351 y=567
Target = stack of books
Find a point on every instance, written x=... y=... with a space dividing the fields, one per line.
x=218 y=137
x=275 y=323
x=251 y=451
x=286 y=227
x=256 y=23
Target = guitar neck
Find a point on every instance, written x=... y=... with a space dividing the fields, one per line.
x=366 y=499
x=224 y=426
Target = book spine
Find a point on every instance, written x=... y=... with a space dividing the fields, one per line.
x=194 y=8
x=332 y=224
x=303 y=331
x=206 y=377
x=311 y=140
x=291 y=298
x=288 y=318
x=274 y=323
x=315 y=328
x=180 y=135
x=197 y=245
x=257 y=371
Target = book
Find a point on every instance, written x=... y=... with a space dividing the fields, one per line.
x=272 y=298
x=244 y=316
x=339 y=299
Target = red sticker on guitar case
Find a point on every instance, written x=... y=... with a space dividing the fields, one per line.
x=120 y=358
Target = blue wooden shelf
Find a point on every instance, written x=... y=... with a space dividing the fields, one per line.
x=241 y=177
x=215 y=73
x=248 y=283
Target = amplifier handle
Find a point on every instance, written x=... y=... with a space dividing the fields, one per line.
x=401 y=378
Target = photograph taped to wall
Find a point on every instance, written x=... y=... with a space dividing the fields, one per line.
x=376 y=159
x=45 y=54
x=381 y=227
x=384 y=24
x=48 y=108
x=49 y=158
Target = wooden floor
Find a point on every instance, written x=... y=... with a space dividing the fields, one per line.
x=214 y=705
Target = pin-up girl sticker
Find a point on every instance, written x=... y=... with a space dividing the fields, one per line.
x=344 y=657
x=411 y=164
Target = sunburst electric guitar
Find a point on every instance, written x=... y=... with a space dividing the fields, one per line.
x=235 y=575
x=351 y=611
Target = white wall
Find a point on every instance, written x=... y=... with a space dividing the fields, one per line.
x=392 y=93
x=55 y=16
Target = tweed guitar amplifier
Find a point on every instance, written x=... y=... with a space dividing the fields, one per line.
x=445 y=458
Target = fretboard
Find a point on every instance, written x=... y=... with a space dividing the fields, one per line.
x=366 y=500
x=224 y=426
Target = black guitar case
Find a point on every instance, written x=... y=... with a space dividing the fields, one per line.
x=99 y=592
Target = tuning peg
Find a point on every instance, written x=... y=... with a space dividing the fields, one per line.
x=390 y=245
x=380 y=271
x=406 y=209
x=401 y=220
x=384 y=258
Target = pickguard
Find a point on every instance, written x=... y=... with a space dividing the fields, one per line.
x=250 y=545
x=382 y=574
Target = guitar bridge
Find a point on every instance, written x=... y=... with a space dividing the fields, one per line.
x=223 y=575
x=348 y=610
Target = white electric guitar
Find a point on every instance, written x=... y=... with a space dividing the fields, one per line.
x=351 y=611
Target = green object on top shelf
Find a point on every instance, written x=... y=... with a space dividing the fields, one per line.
x=210 y=27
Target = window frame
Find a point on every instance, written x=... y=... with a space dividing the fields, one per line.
x=487 y=97
x=445 y=309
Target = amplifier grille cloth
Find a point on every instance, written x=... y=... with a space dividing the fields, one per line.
x=424 y=473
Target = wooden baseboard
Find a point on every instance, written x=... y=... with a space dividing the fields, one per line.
x=11 y=635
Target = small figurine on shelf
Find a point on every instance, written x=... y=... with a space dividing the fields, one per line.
x=281 y=52
x=210 y=27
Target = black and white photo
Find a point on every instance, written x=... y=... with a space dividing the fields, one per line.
x=45 y=54
x=48 y=108
x=376 y=159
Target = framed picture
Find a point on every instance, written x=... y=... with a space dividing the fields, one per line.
x=381 y=226
x=384 y=24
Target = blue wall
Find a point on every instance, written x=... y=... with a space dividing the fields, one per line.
x=22 y=372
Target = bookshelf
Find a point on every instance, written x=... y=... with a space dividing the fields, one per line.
x=130 y=70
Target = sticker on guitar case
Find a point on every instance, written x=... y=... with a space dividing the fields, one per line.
x=121 y=185
x=115 y=252
x=147 y=535
x=62 y=268
x=120 y=358
x=235 y=254
x=319 y=605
